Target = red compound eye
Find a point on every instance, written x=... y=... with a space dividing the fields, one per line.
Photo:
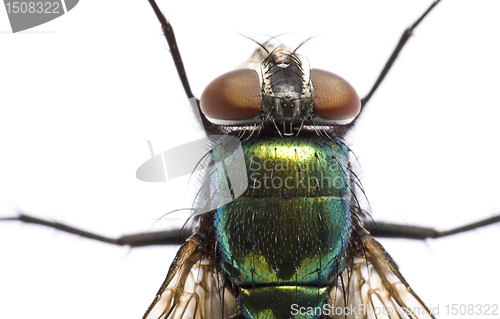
x=232 y=96
x=334 y=97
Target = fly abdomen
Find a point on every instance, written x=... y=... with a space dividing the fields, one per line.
x=282 y=242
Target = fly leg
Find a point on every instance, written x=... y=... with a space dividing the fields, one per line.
x=179 y=236
x=402 y=41
x=169 y=237
x=389 y=230
x=168 y=31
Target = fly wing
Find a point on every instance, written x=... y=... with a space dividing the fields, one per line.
x=191 y=289
x=372 y=287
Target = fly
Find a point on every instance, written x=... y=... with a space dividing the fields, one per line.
x=369 y=193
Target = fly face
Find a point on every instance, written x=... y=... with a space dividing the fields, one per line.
x=104 y=274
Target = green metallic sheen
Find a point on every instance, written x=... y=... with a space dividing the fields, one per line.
x=283 y=241
x=282 y=167
x=289 y=229
x=282 y=302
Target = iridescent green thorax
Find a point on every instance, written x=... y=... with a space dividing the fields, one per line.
x=286 y=235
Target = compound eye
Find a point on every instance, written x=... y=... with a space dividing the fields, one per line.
x=334 y=97
x=232 y=96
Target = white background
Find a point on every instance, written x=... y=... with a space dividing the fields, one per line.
x=80 y=96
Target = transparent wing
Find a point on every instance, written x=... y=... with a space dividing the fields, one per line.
x=372 y=287
x=191 y=289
